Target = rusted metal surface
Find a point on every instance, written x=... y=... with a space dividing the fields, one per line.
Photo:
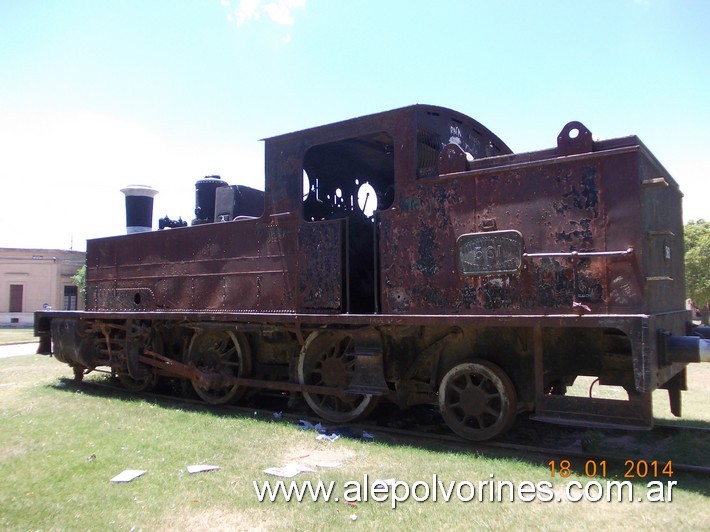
x=210 y=380
x=403 y=255
x=350 y=359
x=584 y=204
x=239 y=266
x=279 y=262
x=321 y=270
x=477 y=399
x=582 y=198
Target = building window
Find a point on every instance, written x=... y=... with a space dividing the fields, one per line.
x=16 y=297
x=71 y=294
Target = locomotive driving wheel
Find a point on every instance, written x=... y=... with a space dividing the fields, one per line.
x=225 y=354
x=328 y=359
x=478 y=400
x=146 y=379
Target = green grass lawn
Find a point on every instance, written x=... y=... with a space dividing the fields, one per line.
x=16 y=336
x=60 y=445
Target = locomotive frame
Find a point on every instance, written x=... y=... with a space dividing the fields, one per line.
x=483 y=280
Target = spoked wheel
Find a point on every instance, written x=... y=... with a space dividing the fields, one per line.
x=224 y=353
x=328 y=359
x=478 y=400
x=147 y=378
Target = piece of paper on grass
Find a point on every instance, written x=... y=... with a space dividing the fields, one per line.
x=288 y=471
x=201 y=468
x=127 y=475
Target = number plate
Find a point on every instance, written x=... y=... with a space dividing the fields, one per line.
x=489 y=253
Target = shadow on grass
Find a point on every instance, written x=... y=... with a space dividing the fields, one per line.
x=625 y=447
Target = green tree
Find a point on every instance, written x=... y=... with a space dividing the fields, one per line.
x=697 y=261
x=79 y=279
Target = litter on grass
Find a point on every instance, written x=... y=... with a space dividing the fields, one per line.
x=307 y=425
x=324 y=434
x=327 y=437
x=127 y=475
x=201 y=468
x=288 y=471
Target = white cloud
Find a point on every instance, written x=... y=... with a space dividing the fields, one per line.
x=246 y=11
x=278 y=11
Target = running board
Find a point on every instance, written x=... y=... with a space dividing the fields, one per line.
x=635 y=413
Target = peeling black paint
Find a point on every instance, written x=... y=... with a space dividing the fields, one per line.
x=580 y=233
x=584 y=196
x=426 y=263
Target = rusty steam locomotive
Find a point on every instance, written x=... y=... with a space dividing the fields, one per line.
x=407 y=256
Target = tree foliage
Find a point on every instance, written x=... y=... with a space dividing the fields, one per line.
x=79 y=279
x=697 y=261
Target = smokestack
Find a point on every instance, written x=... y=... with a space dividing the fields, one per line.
x=139 y=208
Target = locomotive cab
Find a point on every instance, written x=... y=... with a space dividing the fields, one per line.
x=351 y=174
x=351 y=179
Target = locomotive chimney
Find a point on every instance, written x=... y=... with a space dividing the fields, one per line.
x=139 y=208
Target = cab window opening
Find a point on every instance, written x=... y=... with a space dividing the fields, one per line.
x=350 y=178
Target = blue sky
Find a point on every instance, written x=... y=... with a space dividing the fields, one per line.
x=96 y=95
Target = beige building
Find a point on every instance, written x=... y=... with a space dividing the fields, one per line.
x=32 y=279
